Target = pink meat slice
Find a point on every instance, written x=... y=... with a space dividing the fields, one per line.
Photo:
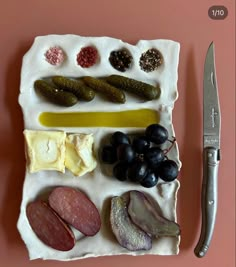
x=49 y=227
x=76 y=209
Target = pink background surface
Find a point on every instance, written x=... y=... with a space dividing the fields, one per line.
x=189 y=24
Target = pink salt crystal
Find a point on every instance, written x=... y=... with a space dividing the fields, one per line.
x=55 y=55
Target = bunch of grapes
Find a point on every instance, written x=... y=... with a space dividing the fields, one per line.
x=141 y=160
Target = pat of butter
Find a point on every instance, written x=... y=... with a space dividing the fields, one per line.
x=79 y=157
x=45 y=150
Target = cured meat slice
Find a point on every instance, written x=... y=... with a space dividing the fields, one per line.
x=49 y=227
x=76 y=209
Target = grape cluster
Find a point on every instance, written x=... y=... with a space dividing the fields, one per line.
x=141 y=160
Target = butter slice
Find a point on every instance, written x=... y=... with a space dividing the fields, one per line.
x=79 y=157
x=45 y=150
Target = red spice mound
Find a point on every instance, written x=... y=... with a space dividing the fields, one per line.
x=55 y=55
x=87 y=57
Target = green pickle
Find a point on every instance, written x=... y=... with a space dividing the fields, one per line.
x=79 y=89
x=55 y=95
x=146 y=91
x=140 y=118
x=112 y=93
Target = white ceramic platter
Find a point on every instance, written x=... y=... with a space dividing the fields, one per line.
x=98 y=185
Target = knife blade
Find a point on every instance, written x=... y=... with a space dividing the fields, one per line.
x=211 y=153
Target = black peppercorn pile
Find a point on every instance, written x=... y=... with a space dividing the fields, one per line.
x=120 y=59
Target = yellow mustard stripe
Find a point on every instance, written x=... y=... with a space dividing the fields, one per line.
x=128 y=118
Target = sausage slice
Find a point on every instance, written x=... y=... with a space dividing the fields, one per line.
x=76 y=209
x=49 y=227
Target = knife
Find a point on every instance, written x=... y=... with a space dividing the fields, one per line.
x=211 y=153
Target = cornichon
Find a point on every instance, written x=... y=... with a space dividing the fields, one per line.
x=142 y=89
x=114 y=94
x=78 y=88
x=55 y=95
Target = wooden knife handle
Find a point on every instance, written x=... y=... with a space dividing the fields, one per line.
x=208 y=199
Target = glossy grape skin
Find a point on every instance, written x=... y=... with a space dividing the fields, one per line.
x=153 y=156
x=109 y=154
x=141 y=144
x=137 y=171
x=119 y=138
x=149 y=180
x=168 y=170
x=126 y=153
x=120 y=171
x=156 y=134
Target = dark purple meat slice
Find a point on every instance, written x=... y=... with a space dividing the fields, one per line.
x=49 y=227
x=76 y=209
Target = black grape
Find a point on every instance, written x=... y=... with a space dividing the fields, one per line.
x=109 y=154
x=149 y=180
x=153 y=156
x=168 y=170
x=118 y=138
x=156 y=134
x=141 y=144
x=125 y=152
x=120 y=170
x=137 y=171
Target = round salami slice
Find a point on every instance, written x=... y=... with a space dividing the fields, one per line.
x=49 y=227
x=76 y=209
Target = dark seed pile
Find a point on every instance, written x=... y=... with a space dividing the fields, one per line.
x=87 y=57
x=150 y=60
x=120 y=59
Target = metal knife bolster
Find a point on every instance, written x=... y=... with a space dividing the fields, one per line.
x=212 y=141
x=211 y=157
